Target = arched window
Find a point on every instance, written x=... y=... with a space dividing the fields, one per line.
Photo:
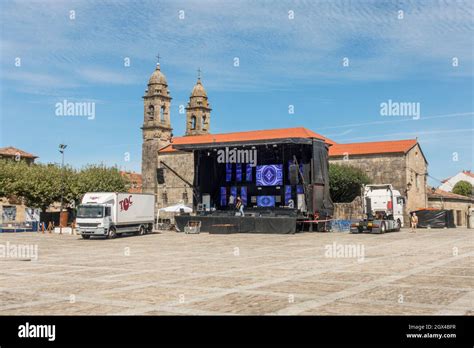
x=151 y=112
x=162 y=114
x=203 y=125
x=193 y=122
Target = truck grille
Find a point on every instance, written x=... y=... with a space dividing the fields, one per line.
x=88 y=224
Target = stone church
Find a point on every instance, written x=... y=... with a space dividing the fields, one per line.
x=400 y=162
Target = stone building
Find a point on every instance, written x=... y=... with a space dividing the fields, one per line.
x=12 y=209
x=460 y=205
x=400 y=163
x=14 y=154
x=449 y=183
x=135 y=181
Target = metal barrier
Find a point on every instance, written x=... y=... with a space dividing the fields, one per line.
x=340 y=225
x=7 y=227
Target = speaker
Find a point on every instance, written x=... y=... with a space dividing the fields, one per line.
x=160 y=176
x=293 y=174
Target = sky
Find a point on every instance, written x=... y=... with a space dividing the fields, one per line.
x=333 y=62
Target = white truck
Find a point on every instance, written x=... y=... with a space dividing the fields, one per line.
x=111 y=213
x=383 y=207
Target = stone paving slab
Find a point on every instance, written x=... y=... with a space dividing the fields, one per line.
x=170 y=273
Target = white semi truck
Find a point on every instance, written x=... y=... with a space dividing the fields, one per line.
x=111 y=213
x=383 y=207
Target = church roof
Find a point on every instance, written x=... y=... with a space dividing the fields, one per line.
x=198 y=90
x=157 y=77
x=267 y=134
x=376 y=147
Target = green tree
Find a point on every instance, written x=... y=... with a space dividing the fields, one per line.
x=463 y=188
x=40 y=185
x=98 y=178
x=35 y=184
x=345 y=182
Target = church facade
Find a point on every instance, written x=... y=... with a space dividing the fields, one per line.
x=175 y=184
x=400 y=162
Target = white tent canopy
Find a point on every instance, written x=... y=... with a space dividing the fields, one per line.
x=177 y=208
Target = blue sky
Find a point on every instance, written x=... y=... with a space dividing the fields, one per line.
x=283 y=61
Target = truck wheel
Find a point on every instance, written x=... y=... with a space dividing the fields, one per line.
x=85 y=236
x=399 y=225
x=142 y=230
x=383 y=228
x=112 y=233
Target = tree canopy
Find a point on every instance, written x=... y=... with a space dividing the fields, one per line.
x=345 y=182
x=463 y=188
x=40 y=185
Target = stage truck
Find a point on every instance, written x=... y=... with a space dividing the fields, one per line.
x=282 y=182
x=109 y=214
x=383 y=207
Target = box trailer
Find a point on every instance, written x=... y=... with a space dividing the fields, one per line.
x=111 y=213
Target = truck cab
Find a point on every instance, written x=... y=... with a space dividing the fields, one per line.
x=383 y=208
x=383 y=201
x=94 y=219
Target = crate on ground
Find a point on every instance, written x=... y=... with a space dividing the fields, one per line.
x=192 y=227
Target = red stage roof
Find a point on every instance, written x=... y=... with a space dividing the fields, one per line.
x=267 y=134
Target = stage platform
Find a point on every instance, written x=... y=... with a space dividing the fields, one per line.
x=217 y=224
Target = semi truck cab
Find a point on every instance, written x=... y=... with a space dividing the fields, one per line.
x=383 y=208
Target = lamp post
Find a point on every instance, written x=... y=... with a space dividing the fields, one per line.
x=62 y=147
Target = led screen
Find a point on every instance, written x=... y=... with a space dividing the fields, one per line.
x=270 y=175
x=265 y=201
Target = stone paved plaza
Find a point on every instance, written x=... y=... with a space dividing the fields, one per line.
x=168 y=273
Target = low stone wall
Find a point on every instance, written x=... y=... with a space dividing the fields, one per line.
x=349 y=211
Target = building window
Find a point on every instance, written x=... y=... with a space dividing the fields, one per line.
x=164 y=197
x=185 y=197
x=162 y=114
x=151 y=112
x=193 y=122
x=203 y=125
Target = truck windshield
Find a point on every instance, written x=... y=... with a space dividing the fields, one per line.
x=90 y=211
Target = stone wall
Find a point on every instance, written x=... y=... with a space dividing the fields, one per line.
x=381 y=169
x=416 y=170
x=349 y=211
x=174 y=188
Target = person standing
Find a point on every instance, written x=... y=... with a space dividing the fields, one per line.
x=240 y=206
x=231 y=202
x=414 y=222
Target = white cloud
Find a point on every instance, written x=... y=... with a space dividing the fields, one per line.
x=273 y=49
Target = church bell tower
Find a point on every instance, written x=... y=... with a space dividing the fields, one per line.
x=198 y=111
x=156 y=129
